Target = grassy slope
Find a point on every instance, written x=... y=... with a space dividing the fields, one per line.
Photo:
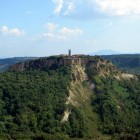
x=83 y=94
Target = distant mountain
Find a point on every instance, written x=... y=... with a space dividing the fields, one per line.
x=105 y=52
x=7 y=62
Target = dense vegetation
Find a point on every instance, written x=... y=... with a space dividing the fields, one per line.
x=129 y=63
x=33 y=102
x=117 y=103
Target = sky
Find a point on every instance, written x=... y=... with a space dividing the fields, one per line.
x=51 y=27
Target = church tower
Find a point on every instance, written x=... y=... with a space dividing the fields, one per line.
x=69 y=53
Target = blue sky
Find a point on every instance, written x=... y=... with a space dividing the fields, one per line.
x=49 y=27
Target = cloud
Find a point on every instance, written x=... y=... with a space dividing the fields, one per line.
x=59 y=5
x=70 y=8
x=15 y=31
x=119 y=7
x=68 y=31
x=54 y=37
x=96 y=8
x=63 y=33
x=51 y=26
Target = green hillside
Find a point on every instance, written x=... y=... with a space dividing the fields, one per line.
x=129 y=62
x=7 y=62
x=91 y=101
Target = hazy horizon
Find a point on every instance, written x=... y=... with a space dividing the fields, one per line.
x=44 y=28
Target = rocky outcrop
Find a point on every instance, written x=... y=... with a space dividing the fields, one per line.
x=50 y=63
x=66 y=116
x=42 y=64
x=78 y=64
x=77 y=93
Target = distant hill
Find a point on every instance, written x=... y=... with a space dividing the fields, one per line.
x=105 y=52
x=127 y=62
x=5 y=63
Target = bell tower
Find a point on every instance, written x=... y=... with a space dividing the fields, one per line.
x=69 y=53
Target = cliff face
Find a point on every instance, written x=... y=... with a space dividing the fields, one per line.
x=101 y=67
x=49 y=63
x=41 y=64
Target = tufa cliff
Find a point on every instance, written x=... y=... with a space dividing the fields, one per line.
x=101 y=67
x=53 y=62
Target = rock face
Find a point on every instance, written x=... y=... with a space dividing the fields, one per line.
x=103 y=67
x=66 y=116
x=50 y=63
x=77 y=92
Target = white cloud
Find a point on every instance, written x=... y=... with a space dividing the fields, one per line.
x=70 y=8
x=54 y=37
x=64 y=33
x=51 y=27
x=120 y=7
x=59 y=5
x=15 y=31
x=97 y=8
x=68 y=31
